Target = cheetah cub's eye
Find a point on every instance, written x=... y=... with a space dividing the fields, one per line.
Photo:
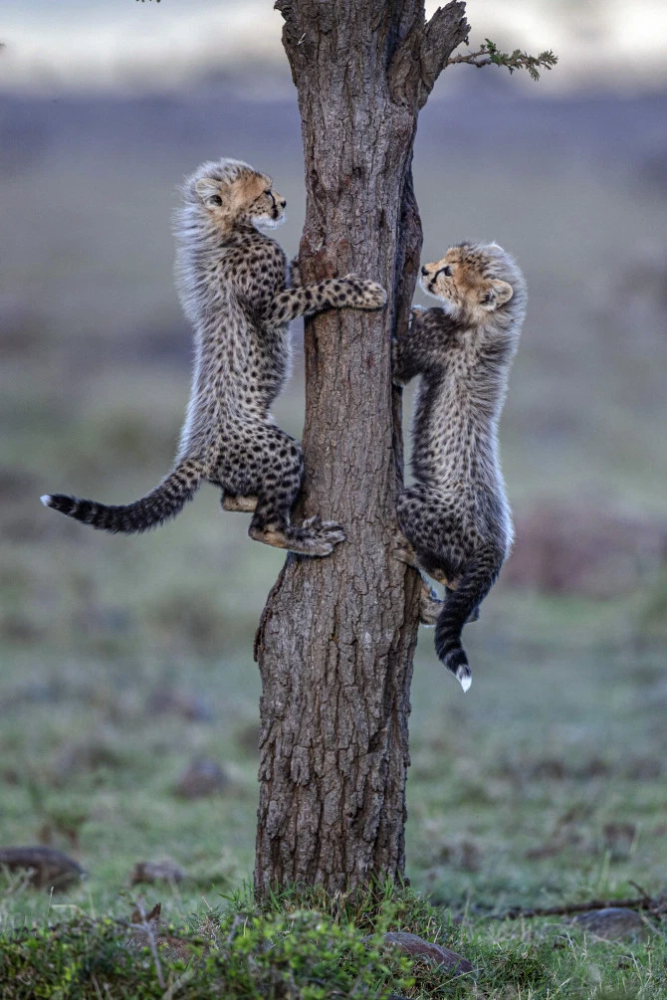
x=447 y=271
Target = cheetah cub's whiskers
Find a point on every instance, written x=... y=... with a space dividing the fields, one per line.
x=456 y=520
x=232 y=285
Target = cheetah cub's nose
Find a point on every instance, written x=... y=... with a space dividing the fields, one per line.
x=282 y=203
x=424 y=272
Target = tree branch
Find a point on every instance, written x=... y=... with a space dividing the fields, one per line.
x=489 y=54
x=446 y=30
x=419 y=60
x=644 y=902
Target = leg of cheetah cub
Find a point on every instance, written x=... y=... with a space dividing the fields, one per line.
x=279 y=472
x=242 y=505
x=333 y=293
x=404 y=552
x=430 y=523
x=430 y=604
x=349 y=292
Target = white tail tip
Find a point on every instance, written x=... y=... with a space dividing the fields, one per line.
x=46 y=500
x=464 y=677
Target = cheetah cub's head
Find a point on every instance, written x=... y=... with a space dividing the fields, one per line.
x=473 y=281
x=233 y=195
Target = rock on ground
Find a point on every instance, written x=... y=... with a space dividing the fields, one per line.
x=417 y=947
x=203 y=777
x=156 y=871
x=48 y=868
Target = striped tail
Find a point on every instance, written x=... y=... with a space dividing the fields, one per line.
x=474 y=584
x=164 y=502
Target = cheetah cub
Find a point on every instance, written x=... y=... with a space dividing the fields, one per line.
x=456 y=519
x=232 y=286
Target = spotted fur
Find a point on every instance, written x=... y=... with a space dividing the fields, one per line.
x=232 y=285
x=456 y=518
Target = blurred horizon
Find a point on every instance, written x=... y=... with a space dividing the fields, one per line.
x=126 y=45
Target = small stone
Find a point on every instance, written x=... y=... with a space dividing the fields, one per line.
x=156 y=871
x=614 y=923
x=413 y=945
x=48 y=868
x=203 y=777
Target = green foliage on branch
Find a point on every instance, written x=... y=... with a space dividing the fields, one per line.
x=489 y=53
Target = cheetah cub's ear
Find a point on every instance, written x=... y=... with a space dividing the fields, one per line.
x=495 y=294
x=209 y=191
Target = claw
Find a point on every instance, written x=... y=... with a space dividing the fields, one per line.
x=333 y=531
x=312 y=522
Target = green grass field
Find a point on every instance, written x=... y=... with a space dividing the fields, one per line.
x=123 y=660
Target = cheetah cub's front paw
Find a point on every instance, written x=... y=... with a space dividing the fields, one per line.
x=416 y=313
x=365 y=294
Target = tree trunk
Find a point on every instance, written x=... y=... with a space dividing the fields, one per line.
x=337 y=637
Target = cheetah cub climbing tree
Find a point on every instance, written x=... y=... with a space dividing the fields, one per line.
x=232 y=285
x=456 y=518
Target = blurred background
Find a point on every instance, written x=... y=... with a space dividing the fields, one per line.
x=128 y=691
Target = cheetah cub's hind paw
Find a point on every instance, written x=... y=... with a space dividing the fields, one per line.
x=243 y=505
x=403 y=551
x=430 y=606
x=323 y=535
x=366 y=294
x=314 y=537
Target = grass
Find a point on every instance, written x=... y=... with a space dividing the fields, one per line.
x=123 y=660
x=312 y=947
x=545 y=785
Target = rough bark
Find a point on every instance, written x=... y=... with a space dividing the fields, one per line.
x=337 y=637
